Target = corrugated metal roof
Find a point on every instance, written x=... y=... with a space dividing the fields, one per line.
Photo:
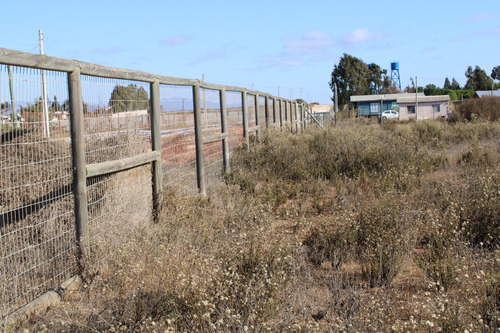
x=423 y=99
x=385 y=97
x=485 y=93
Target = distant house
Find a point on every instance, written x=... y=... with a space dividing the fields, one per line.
x=429 y=107
x=369 y=105
x=486 y=93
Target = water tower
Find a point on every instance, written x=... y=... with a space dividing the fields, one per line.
x=395 y=75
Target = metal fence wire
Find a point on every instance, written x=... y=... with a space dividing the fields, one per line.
x=178 y=145
x=37 y=236
x=86 y=152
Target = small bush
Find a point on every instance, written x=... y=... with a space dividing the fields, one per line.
x=383 y=237
x=437 y=261
x=329 y=242
x=480 y=213
x=490 y=305
x=487 y=108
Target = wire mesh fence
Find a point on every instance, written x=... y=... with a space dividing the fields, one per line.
x=37 y=237
x=234 y=119
x=178 y=144
x=117 y=126
x=80 y=135
x=263 y=119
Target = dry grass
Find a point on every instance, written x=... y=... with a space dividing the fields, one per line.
x=37 y=234
x=355 y=229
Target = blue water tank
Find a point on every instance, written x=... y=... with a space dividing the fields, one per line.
x=394 y=66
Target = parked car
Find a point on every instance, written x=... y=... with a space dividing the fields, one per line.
x=390 y=114
x=8 y=119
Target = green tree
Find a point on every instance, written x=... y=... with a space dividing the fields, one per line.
x=447 y=84
x=477 y=79
x=5 y=106
x=354 y=77
x=411 y=89
x=454 y=84
x=65 y=106
x=378 y=80
x=452 y=93
x=432 y=89
x=129 y=98
x=55 y=106
x=495 y=73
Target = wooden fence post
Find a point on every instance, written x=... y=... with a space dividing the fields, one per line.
x=274 y=111
x=290 y=115
x=198 y=133
x=223 y=118
x=257 y=117
x=296 y=117
x=244 y=103
x=266 y=108
x=79 y=168
x=302 y=118
x=156 y=146
x=285 y=114
x=281 y=114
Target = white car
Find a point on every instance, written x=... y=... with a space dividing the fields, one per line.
x=390 y=114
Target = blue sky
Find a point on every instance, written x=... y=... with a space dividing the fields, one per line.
x=290 y=44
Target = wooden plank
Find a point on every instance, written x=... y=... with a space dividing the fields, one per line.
x=214 y=138
x=104 y=168
x=18 y=58
x=31 y=60
x=127 y=74
x=254 y=129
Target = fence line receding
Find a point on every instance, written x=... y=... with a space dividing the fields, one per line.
x=86 y=151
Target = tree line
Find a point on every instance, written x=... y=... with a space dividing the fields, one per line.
x=353 y=76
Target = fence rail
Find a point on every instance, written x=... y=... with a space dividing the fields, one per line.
x=98 y=148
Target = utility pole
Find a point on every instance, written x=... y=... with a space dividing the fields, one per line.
x=12 y=98
x=46 y=129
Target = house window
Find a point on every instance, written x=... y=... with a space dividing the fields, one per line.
x=374 y=108
x=411 y=108
x=436 y=108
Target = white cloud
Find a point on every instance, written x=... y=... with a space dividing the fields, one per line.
x=360 y=36
x=176 y=40
x=484 y=17
x=221 y=52
x=109 y=51
x=310 y=43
